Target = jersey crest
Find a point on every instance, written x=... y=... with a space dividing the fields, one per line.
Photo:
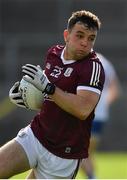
x=68 y=72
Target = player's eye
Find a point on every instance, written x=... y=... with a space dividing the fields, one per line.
x=91 y=38
x=79 y=36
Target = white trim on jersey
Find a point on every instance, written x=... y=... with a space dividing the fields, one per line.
x=89 y=89
x=95 y=74
x=69 y=61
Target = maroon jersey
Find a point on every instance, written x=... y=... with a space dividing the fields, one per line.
x=60 y=132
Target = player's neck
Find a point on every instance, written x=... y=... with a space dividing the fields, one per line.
x=67 y=55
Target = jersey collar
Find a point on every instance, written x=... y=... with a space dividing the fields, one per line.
x=70 y=61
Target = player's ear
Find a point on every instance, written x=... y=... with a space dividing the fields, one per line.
x=65 y=34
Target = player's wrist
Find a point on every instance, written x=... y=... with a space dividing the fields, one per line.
x=50 y=88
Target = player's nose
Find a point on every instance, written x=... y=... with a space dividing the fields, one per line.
x=84 y=42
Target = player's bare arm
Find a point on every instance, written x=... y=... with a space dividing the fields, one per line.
x=79 y=105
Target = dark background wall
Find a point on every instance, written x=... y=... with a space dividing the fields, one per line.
x=29 y=27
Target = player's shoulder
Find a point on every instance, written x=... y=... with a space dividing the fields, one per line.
x=96 y=61
x=90 y=65
x=94 y=57
x=92 y=60
x=56 y=49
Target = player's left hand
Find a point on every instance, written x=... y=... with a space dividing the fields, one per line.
x=36 y=76
x=16 y=96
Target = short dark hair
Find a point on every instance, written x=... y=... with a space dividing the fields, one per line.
x=85 y=17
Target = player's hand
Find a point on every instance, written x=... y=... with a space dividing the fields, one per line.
x=36 y=76
x=15 y=96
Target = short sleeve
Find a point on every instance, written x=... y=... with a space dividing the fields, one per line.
x=91 y=76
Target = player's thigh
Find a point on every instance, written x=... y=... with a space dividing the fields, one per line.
x=13 y=159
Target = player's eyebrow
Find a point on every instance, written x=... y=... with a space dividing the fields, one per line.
x=81 y=32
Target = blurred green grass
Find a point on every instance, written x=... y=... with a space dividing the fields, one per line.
x=107 y=166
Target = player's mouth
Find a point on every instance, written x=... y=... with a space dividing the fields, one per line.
x=81 y=52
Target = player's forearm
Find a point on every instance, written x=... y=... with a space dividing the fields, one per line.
x=71 y=103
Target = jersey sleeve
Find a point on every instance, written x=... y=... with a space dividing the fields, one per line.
x=91 y=77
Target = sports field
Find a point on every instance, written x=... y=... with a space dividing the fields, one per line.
x=108 y=166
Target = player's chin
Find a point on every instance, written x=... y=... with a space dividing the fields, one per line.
x=80 y=56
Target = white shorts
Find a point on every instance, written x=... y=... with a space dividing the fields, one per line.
x=45 y=164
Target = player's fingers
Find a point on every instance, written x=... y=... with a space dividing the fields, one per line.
x=15 y=95
x=31 y=66
x=17 y=84
x=21 y=105
x=39 y=67
x=29 y=74
x=28 y=78
x=19 y=101
x=28 y=69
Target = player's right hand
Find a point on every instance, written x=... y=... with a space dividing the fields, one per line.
x=15 y=96
x=36 y=76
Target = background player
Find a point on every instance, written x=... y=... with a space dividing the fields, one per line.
x=109 y=95
x=58 y=136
